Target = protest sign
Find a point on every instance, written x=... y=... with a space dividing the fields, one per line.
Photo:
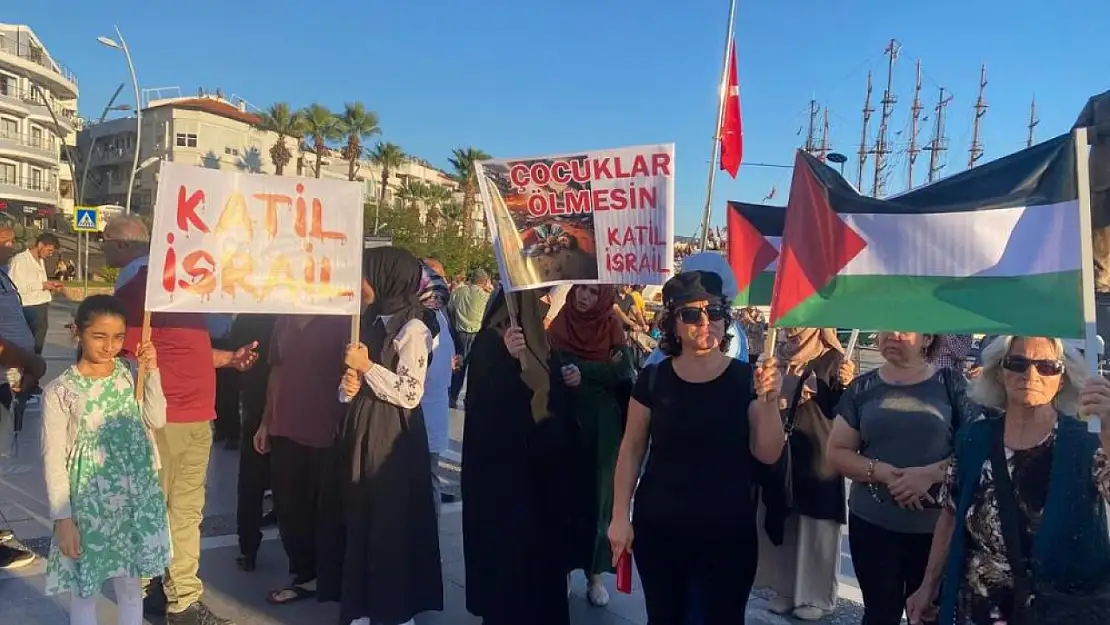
x=228 y=242
x=604 y=216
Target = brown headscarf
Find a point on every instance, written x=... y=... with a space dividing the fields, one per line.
x=820 y=350
x=591 y=334
x=800 y=346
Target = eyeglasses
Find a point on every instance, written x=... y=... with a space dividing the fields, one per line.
x=692 y=314
x=1021 y=364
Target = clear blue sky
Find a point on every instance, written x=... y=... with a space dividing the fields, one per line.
x=527 y=77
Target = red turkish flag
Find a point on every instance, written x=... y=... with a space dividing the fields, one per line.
x=732 y=128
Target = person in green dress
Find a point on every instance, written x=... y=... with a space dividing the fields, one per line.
x=592 y=373
x=109 y=511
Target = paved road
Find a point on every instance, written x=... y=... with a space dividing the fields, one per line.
x=241 y=595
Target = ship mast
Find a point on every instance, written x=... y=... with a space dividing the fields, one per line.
x=1033 y=122
x=975 y=152
x=811 y=136
x=939 y=143
x=863 y=151
x=823 y=151
x=915 y=116
x=881 y=149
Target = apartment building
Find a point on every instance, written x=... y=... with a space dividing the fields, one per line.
x=209 y=130
x=38 y=119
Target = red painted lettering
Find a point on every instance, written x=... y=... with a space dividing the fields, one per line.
x=187 y=210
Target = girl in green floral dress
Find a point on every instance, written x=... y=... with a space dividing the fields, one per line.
x=109 y=511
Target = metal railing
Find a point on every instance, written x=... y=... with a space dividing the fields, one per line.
x=22 y=46
x=32 y=97
x=41 y=185
x=43 y=142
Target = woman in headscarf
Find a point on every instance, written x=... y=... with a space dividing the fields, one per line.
x=515 y=455
x=800 y=545
x=380 y=504
x=434 y=294
x=593 y=374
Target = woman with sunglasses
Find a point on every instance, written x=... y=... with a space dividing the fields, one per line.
x=1045 y=519
x=893 y=438
x=711 y=420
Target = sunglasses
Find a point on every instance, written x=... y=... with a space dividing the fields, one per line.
x=1021 y=364
x=692 y=314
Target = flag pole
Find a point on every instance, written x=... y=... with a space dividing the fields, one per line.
x=721 y=95
x=1087 y=261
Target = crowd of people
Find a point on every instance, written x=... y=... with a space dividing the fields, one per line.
x=716 y=464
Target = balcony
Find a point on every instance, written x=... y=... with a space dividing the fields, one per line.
x=28 y=189
x=41 y=149
x=26 y=103
x=18 y=50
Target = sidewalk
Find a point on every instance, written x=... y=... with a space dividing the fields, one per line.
x=242 y=595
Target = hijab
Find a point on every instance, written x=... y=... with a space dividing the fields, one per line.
x=434 y=293
x=394 y=275
x=530 y=309
x=801 y=346
x=590 y=334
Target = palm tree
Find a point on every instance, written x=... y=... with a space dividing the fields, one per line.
x=285 y=122
x=463 y=160
x=436 y=196
x=358 y=124
x=390 y=157
x=321 y=126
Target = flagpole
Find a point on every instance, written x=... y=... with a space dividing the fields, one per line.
x=721 y=96
x=1087 y=262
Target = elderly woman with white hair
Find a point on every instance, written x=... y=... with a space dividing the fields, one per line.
x=1023 y=538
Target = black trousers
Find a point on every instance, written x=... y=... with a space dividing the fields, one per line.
x=254 y=472
x=227 y=404
x=38 y=317
x=889 y=567
x=295 y=473
x=670 y=563
x=463 y=341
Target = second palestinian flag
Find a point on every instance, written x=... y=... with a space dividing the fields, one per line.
x=994 y=249
x=754 y=237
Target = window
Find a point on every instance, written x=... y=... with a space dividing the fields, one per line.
x=7 y=173
x=36 y=137
x=7 y=85
x=36 y=179
x=9 y=128
x=191 y=140
x=180 y=139
x=231 y=151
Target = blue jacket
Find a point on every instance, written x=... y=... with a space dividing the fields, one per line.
x=1071 y=551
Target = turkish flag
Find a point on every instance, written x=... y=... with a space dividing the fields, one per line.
x=732 y=128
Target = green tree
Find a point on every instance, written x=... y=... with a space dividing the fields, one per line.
x=436 y=196
x=463 y=160
x=358 y=124
x=285 y=122
x=389 y=157
x=321 y=126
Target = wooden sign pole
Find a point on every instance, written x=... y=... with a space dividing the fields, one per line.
x=140 y=378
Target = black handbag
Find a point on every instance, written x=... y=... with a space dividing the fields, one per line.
x=1036 y=604
x=784 y=468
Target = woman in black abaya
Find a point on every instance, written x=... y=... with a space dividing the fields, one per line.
x=379 y=537
x=515 y=520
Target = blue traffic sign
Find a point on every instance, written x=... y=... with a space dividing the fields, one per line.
x=86 y=219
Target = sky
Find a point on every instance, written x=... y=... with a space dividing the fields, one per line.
x=532 y=77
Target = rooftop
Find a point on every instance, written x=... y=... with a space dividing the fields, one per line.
x=211 y=105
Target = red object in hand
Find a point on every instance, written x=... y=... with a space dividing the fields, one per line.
x=624 y=573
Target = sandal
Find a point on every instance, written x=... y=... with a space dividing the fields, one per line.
x=282 y=596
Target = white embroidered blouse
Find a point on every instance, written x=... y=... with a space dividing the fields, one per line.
x=405 y=386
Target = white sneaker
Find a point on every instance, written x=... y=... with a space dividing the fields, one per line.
x=781 y=605
x=810 y=613
x=597 y=593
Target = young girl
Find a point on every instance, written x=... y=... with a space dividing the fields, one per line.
x=108 y=508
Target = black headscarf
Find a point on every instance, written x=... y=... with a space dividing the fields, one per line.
x=394 y=274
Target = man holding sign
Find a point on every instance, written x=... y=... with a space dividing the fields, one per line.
x=185 y=443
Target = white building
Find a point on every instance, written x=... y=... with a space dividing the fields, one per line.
x=38 y=118
x=209 y=130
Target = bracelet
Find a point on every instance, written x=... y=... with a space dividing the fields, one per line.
x=872 y=487
x=871 y=471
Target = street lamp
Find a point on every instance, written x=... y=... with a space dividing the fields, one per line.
x=838 y=158
x=122 y=45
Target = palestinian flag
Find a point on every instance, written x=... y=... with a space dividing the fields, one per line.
x=754 y=237
x=994 y=249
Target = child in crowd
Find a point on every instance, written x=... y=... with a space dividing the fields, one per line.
x=109 y=511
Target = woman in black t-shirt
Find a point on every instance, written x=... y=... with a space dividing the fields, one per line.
x=709 y=421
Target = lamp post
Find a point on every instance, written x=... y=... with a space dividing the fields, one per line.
x=122 y=45
x=838 y=158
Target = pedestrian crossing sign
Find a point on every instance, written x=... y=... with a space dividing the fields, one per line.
x=86 y=219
